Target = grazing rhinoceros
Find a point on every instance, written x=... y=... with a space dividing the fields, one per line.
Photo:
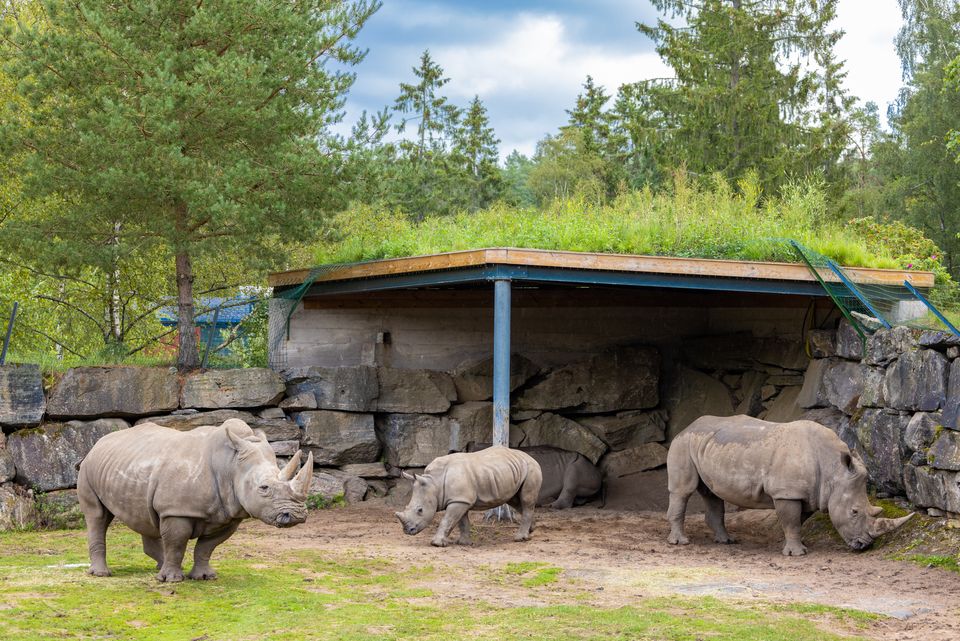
x=795 y=468
x=458 y=483
x=567 y=476
x=172 y=486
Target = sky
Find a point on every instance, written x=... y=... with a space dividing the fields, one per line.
x=527 y=59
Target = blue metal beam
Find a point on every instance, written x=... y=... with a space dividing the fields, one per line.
x=501 y=362
x=856 y=292
x=475 y=275
x=930 y=306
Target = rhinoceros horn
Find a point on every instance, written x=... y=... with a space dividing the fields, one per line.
x=291 y=468
x=301 y=484
x=881 y=526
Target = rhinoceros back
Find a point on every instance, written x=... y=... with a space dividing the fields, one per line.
x=150 y=471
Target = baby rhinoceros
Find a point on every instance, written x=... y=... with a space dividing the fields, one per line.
x=172 y=486
x=458 y=483
x=795 y=468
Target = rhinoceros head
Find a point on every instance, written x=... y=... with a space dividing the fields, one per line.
x=855 y=519
x=276 y=497
x=422 y=505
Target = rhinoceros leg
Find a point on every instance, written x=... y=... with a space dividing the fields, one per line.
x=527 y=500
x=174 y=533
x=153 y=547
x=789 y=512
x=465 y=530
x=451 y=516
x=714 y=514
x=98 y=519
x=204 y=549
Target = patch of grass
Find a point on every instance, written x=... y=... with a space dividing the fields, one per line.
x=534 y=573
x=320 y=502
x=943 y=561
x=274 y=594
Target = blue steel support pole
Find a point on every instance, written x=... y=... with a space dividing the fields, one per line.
x=931 y=307
x=501 y=362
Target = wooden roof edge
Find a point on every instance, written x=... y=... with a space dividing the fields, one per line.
x=709 y=267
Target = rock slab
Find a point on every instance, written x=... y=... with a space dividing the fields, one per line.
x=558 y=431
x=414 y=391
x=232 y=388
x=339 y=438
x=22 y=402
x=86 y=392
x=352 y=389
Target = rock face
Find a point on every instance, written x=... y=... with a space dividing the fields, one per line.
x=17 y=509
x=784 y=407
x=557 y=431
x=944 y=454
x=22 y=402
x=814 y=391
x=951 y=406
x=917 y=381
x=59 y=510
x=46 y=457
x=331 y=483
x=353 y=389
x=822 y=343
x=470 y=422
x=879 y=437
x=366 y=470
x=849 y=344
x=927 y=487
x=884 y=346
x=625 y=379
x=339 y=438
x=213 y=389
x=412 y=440
x=114 y=391
x=634 y=460
x=692 y=394
x=414 y=391
x=627 y=429
x=920 y=432
x=278 y=429
x=474 y=381
x=7 y=469
x=743 y=352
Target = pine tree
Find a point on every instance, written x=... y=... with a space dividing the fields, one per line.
x=436 y=117
x=475 y=150
x=201 y=128
x=757 y=87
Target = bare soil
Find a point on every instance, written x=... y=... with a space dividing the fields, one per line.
x=612 y=558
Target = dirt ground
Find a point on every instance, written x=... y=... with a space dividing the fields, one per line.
x=617 y=557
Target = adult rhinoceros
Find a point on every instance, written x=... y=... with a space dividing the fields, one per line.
x=172 y=486
x=795 y=468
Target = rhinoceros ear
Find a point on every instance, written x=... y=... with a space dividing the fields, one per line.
x=239 y=443
x=407 y=475
x=290 y=468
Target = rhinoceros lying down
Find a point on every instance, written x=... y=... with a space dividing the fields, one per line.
x=567 y=476
x=458 y=483
x=795 y=468
x=172 y=486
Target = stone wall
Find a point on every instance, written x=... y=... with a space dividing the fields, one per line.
x=895 y=400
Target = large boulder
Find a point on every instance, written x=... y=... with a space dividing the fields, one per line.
x=557 y=431
x=276 y=429
x=879 y=434
x=927 y=487
x=8 y=471
x=59 y=510
x=921 y=430
x=338 y=438
x=17 y=509
x=235 y=388
x=814 y=390
x=750 y=393
x=366 y=470
x=470 y=422
x=626 y=429
x=938 y=340
x=690 y=394
x=849 y=343
x=822 y=343
x=843 y=384
x=413 y=440
x=47 y=457
x=624 y=379
x=837 y=421
x=22 y=402
x=114 y=392
x=951 y=405
x=633 y=460
x=784 y=408
x=331 y=484
x=917 y=381
x=944 y=454
x=474 y=380
x=352 y=389
x=885 y=345
x=414 y=391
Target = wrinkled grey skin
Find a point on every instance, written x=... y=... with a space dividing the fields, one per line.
x=567 y=476
x=795 y=468
x=172 y=486
x=458 y=483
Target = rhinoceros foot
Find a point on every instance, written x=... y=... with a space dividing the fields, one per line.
x=202 y=574
x=794 y=549
x=677 y=539
x=521 y=537
x=99 y=571
x=726 y=540
x=439 y=541
x=170 y=575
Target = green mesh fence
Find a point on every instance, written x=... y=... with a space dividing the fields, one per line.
x=872 y=305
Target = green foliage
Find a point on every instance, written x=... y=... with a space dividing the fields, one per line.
x=533 y=573
x=47 y=595
x=319 y=502
x=690 y=220
x=944 y=562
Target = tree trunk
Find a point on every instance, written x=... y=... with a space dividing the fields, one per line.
x=187 y=356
